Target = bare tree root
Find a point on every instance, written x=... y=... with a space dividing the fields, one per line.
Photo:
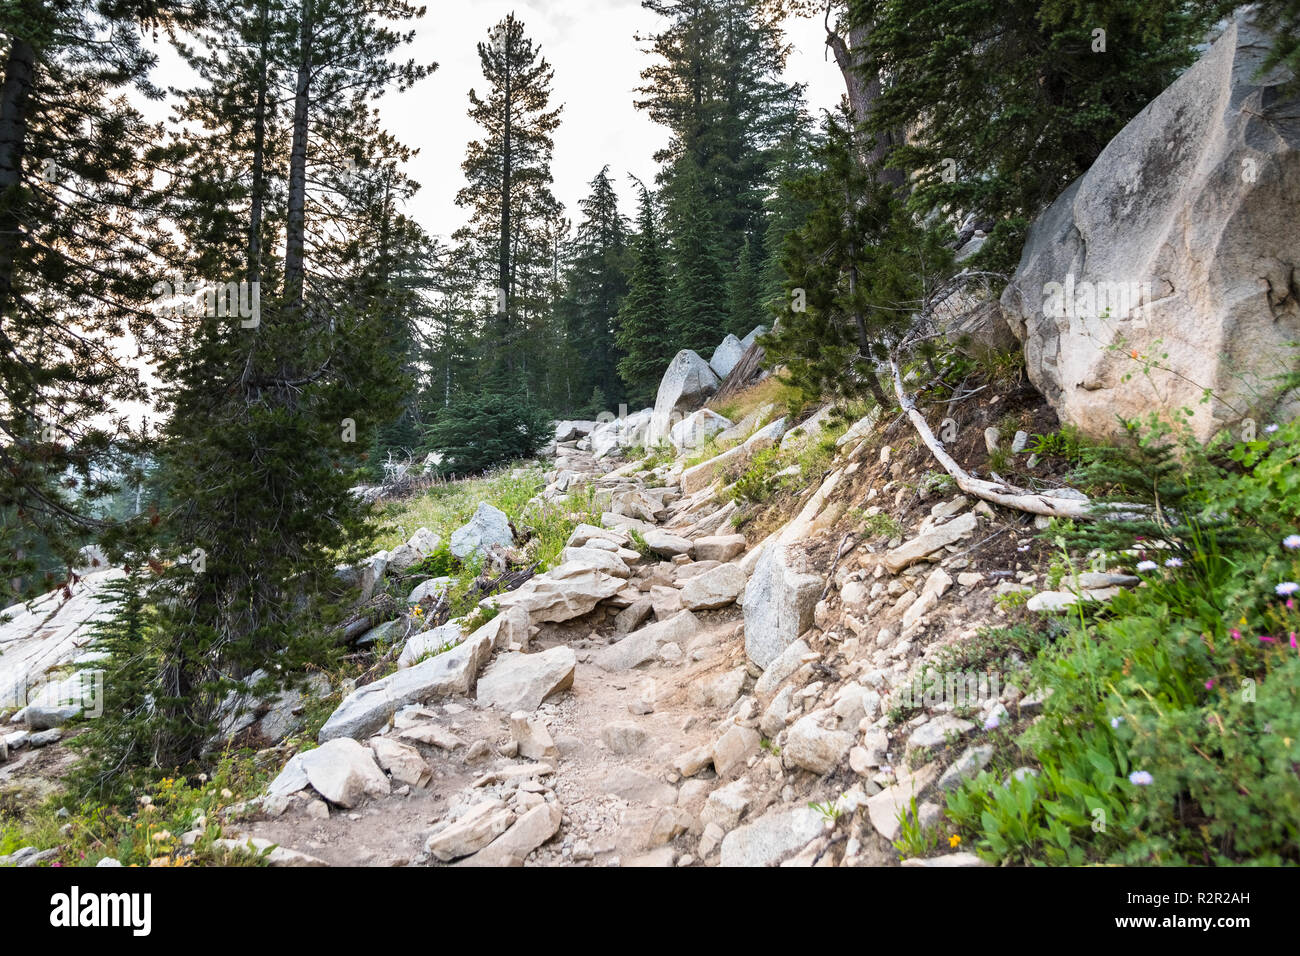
x=1077 y=506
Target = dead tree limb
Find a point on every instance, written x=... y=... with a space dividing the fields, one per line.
x=1001 y=492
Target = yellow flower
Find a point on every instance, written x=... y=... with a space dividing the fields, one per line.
x=954 y=840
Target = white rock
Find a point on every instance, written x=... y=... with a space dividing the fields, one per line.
x=490 y=527
x=688 y=379
x=726 y=355
x=344 y=772
x=522 y=681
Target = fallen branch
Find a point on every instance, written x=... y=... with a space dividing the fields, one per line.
x=1000 y=492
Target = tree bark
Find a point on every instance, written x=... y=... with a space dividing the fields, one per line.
x=14 y=99
x=863 y=93
x=296 y=218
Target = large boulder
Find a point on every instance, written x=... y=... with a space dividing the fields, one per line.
x=367 y=709
x=686 y=383
x=563 y=593
x=343 y=772
x=1170 y=266
x=55 y=629
x=488 y=528
x=520 y=682
x=779 y=603
x=726 y=355
x=697 y=428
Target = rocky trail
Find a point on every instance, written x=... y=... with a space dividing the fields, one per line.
x=704 y=700
x=672 y=692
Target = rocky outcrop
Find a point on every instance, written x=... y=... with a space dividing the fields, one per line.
x=726 y=355
x=51 y=631
x=1170 y=267
x=779 y=604
x=685 y=385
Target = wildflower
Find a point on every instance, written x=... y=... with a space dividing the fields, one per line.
x=954 y=840
x=1291 y=542
x=1116 y=721
x=226 y=794
x=1146 y=565
x=1140 y=778
x=1270 y=429
x=993 y=723
x=1294 y=645
x=1287 y=588
x=1209 y=684
x=1235 y=634
x=1174 y=563
x=1265 y=639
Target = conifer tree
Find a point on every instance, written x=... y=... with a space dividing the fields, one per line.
x=78 y=226
x=596 y=282
x=698 y=302
x=271 y=406
x=508 y=173
x=856 y=272
x=643 y=331
x=1008 y=102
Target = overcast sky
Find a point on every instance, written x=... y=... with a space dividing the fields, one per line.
x=590 y=45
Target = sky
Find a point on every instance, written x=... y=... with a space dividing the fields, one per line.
x=597 y=62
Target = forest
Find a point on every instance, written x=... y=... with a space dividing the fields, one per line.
x=215 y=326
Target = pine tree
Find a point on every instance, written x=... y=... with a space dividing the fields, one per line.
x=856 y=272
x=643 y=332
x=745 y=294
x=698 y=302
x=596 y=281
x=78 y=230
x=270 y=409
x=1009 y=102
x=716 y=86
x=508 y=190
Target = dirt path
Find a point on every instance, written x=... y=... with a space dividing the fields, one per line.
x=612 y=800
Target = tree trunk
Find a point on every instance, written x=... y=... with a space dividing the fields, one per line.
x=259 y=159
x=296 y=221
x=863 y=93
x=14 y=98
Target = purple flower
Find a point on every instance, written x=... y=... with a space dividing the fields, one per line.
x=993 y=723
x=1116 y=721
x=1146 y=565
x=1140 y=778
x=1287 y=588
x=1270 y=429
x=1291 y=542
x=1174 y=563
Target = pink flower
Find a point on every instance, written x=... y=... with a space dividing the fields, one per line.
x=1267 y=640
x=1294 y=645
x=1235 y=634
x=1209 y=684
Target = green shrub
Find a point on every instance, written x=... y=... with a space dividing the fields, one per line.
x=479 y=432
x=1172 y=731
